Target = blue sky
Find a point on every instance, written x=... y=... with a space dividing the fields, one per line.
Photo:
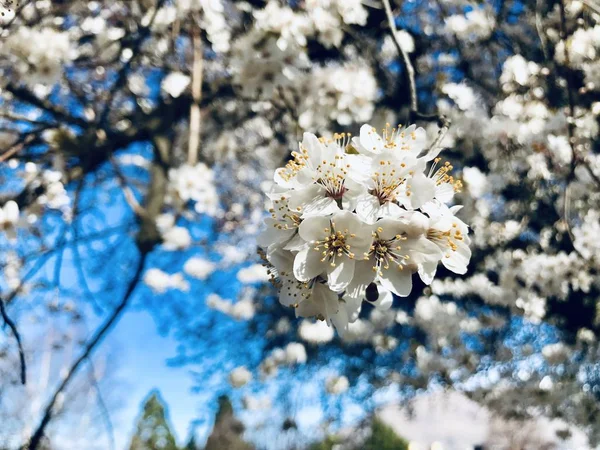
x=143 y=353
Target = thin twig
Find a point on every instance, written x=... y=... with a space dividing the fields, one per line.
x=595 y=177
x=127 y=192
x=195 y=113
x=540 y=27
x=442 y=121
x=13 y=328
x=110 y=430
x=410 y=70
x=89 y=348
x=570 y=120
x=17 y=148
x=594 y=8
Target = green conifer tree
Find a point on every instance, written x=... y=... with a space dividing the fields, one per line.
x=153 y=431
x=227 y=431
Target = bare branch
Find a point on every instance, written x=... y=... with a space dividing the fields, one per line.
x=89 y=348
x=195 y=113
x=410 y=70
x=102 y=405
x=442 y=121
x=127 y=192
x=13 y=328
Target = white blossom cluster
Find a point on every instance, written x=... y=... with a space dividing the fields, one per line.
x=213 y=19
x=38 y=56
x=473 y=25
x=279 y=41
x=344 y=95
x=293 y=354
x=350 y=212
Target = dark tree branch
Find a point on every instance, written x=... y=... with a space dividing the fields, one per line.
x=89 y=348
x=13 y=328
x=410 y=70
x=102 y=405
x=414 y=114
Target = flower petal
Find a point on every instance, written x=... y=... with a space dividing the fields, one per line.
x=397 y=281
x=313 y=228
x=367 y=208
x=340 y=276
x=308 y=264
x=363 y=276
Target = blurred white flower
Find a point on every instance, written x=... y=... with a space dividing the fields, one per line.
x=160 y=281
x=175 y=83
x=9 y=217
x=176 y=238
x=295 y=353
x=199 y=268
x=256 y=273
x=317 y=332
x=195 y=183
x=337 y=385
x=240 y=376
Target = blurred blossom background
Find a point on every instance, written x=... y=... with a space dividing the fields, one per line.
x=137 y=140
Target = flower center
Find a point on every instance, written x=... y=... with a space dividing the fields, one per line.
x=446 y=239
x=332 y=176
x=335 y=245
x=443 y=175
x=387 y=252
x=387 y=181
x=294 y=166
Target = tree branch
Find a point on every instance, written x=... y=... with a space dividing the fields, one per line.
x=410 y=70
x=102 y=405
x=13 y=328
x=89 y=348
x=414 y=114
x=195 y=113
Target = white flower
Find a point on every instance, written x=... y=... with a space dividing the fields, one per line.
x=175 y=83
x=476 y=181
x=337 y=385
x=359 y=331
x=252 y=403
x=240 y=376
x=243 y=309
x=195 y=183
x=344 y=93
x=160 y=282
x=318 y=178
x=555 y=353
x=461 y=94
x=176 y=238
x=38 y=55
x=517 y=69
x=332 y=244
x=295 y=353
x=282 y=224
x=408 y=141
x=255 y=273
x=9 y=217
x=399 y=249
x=316 y=332
x=352 y=11
x=199 y=268
x=450 y=234
x=473 y=25
x=386 y=177
x=351 y=217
